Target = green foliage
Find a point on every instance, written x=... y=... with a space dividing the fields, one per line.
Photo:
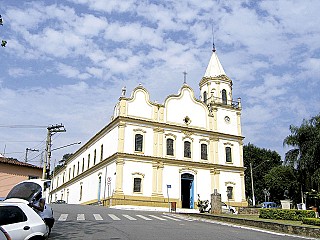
x=286 y=214
x=263 y=160
x=282 y=178
x=305 y=154
x=311 y=221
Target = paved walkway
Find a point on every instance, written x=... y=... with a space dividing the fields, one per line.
x=157 y=209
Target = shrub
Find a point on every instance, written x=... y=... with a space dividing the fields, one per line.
x=286 y=214
x=311 y=221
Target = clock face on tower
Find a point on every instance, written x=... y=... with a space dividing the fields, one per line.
x=227 y=119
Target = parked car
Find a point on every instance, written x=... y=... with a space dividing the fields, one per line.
x=21 y=222
x=60 y=202
x=269 y=205
x=26 y=192
x=228 y=209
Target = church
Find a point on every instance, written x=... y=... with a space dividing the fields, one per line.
x=152 y=153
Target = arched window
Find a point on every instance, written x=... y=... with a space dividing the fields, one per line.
x=187 y=149
x=94 y=157
x=224 y=97
x=170 y=146
x=204 y=151
x=205 y=97
x=138 y=142
x=228 y=155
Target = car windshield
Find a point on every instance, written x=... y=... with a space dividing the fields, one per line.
x=25 y=190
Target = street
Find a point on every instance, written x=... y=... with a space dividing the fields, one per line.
x=96 y=222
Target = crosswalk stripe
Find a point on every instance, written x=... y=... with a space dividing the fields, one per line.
x=129 y=217
x=97 y=217
x=159 y=218
x=174 y=219
x=63 y=217
x=143 y=217
x=80 y=217
x=114 y=217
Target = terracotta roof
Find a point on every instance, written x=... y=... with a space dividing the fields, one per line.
x=13 y=161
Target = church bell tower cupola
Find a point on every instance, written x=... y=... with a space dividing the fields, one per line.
x=215 y=86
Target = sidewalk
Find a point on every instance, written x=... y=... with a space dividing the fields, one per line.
x=155 y=209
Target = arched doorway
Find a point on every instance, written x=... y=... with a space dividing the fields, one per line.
x=187 y=190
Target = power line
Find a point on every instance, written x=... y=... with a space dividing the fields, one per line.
x=22 y=126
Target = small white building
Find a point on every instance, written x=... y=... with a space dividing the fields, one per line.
x=185 y=147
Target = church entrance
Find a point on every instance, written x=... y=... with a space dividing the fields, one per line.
x=187 y=190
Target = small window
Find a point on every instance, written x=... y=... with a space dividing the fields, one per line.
x=11 y=214
x=88 y=161
x=94 y=157
x=205 y=97
x=78 y=169
x=82 y=164
x=101 y=153
x=204 y=153
x=228 y=155
x=80 y=193
x=187 y=149
x=170 y=146
x=224 y=97
x=69 y=173
x=73 y=170
x=230 y=192
x=137 y=185
x=138 y=142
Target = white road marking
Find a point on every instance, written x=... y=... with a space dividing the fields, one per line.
x=63 y=217
x=114 y=217
x=129 y=217
x=174 y=219
x=143 y=217
x=80 y=217
x=97 y=217
x=159 y=218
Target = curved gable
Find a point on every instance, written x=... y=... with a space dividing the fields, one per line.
x=139 y=104
x=185 y=109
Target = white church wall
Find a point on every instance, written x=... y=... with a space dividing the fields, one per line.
x=234 y=152
x=203 y=185
x=177 y=108
x=139 y=106
x=231 y=179
x=129 y=139
x=228 y=127
x=139 y=169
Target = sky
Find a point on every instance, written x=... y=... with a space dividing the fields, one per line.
x=66 y=62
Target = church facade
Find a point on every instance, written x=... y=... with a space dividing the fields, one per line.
x=151 y=154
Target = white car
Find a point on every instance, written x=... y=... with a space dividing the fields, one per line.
x=21 y=222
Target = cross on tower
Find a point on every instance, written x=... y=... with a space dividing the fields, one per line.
x=185 y=77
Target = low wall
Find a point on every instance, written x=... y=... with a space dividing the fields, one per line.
x=307 y=231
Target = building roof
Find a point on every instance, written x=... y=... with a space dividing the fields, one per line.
x=214 y=68
x=13 y=161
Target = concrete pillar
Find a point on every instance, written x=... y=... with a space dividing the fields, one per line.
x=119 y=176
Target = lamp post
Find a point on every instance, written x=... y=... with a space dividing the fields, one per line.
x=253 y=196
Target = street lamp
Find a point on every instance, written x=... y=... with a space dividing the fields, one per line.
x=49 y=157
x=253 y=196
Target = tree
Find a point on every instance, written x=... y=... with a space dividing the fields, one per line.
x=305 y=155
x=62 y=161
x=282 y=178
x=262 y=161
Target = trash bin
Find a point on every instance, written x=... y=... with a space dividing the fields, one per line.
x=173 y=206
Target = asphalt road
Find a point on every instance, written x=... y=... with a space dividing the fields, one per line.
x=96 y=222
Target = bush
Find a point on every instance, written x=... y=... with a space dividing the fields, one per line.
x=311 y=221
x=286 y=214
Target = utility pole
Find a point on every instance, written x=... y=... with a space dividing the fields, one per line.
x=51 y=131
x=29 y=149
